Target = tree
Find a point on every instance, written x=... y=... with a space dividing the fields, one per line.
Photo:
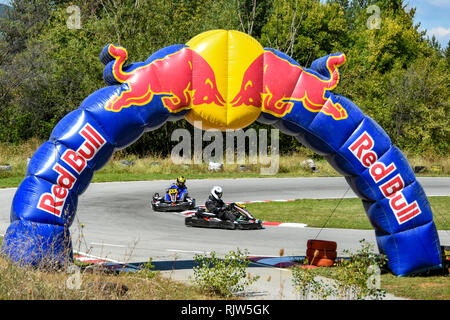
x=447 y=53
x=24 y=20
x=305 y=29
x=253 y=15
x=418 y=103
x=396 y=75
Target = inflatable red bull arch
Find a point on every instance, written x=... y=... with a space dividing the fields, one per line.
x=226 y=80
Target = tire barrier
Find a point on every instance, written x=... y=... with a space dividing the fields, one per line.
x=321 y=253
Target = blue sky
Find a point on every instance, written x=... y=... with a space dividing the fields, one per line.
x=433 y=15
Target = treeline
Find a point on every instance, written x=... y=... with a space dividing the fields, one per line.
x=395 y=74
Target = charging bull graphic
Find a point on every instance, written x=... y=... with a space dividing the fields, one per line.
x=282 y=83
x=170 y=77
x=221 y=77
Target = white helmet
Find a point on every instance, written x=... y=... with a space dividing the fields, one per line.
x=216 y=192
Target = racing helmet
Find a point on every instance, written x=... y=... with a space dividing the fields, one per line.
x=180 y=181
x=217 y=192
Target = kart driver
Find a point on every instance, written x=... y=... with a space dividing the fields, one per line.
x=181 y=187
x=215 y=204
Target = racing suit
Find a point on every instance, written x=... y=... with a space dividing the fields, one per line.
x=219 y=208
x=182 y=193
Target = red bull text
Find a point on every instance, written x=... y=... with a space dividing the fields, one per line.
x=53 y=202
x=362 y=149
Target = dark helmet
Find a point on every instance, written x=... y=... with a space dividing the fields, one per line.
x=180 y=181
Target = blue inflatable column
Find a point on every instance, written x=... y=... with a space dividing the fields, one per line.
x=45 y=203
x=358 y=148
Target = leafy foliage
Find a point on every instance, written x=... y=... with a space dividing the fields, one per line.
x=395 y=74
x=357 y=276
x=354 y=278
x=222 y=277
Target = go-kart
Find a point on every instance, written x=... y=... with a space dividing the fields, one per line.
x=174 y=204
x=244 y=219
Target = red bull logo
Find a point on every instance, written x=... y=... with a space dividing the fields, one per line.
x=172 y=77
x=211 y=81
x=392 y=189
x=275 y=84
x=53 y=202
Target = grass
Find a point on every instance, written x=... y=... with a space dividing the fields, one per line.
x=26 y=283
x=33 y=284
x=336 y=213
x=422 y=288
x=350 y=214
x=157 y=168
x=417 y=287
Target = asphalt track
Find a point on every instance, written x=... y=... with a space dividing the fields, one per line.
x=120 y=225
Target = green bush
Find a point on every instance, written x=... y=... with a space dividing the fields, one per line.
x=309 y=286
x=222 y=277
x=355 y=278
x=359 y=276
